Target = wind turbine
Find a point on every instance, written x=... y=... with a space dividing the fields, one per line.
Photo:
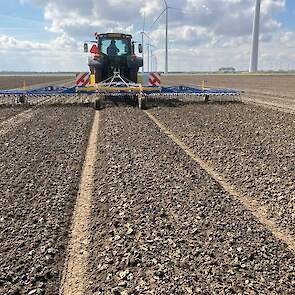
x=144 y=34
x=166 y=45
x=166 y=11
x=255 y=39
x=150 y=56
x=142 y=41
x=155 y=63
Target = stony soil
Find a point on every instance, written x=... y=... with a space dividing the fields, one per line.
x=161 y=225
x=9 y=82
x=7 y=112
x=40 y=170
x=252 y=147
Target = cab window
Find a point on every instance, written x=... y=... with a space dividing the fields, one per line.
x=115 y=47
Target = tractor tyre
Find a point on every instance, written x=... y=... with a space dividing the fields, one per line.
x=133 y=75
x=98 y=75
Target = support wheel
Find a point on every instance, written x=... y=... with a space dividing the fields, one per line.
x=97 y=105
x=206 y=97
x=141 y=103
x=22 y=99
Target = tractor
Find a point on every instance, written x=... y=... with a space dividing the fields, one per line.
x=114 y=53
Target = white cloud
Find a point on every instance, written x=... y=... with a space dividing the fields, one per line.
x=63 y=42
x=61 y=54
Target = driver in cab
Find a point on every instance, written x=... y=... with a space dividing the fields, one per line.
x=113 y=49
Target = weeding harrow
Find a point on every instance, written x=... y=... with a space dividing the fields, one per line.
x=114 y=87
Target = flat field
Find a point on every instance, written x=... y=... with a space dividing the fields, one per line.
x=11 y=82
x=272 y=84
x=189 y=198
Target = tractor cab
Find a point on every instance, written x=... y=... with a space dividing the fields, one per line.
x=114 y=52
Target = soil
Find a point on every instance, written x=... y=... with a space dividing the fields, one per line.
x=40 y=169
x=10 y=82
x=161 y=225
x=272 y=84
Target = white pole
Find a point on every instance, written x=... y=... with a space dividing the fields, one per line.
x=152 y=59
x=142 y=42
x=255 y=41
x=166 y=49
x=148 y=62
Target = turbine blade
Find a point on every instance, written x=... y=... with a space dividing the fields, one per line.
x=158 y=17
x=176 y=8
x=147 y=35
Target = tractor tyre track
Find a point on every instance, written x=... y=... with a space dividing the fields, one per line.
x=75 y=271
x=40 y=169
x=160 y=224
x=260 y=212
x=12 y=121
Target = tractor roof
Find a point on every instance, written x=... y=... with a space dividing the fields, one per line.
x=113 y=35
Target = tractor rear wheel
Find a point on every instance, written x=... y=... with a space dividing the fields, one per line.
x=133 y=75
x=98 y=75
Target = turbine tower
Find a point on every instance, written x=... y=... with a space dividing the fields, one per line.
x=166 y=11
x=166 y=41
x=255 y=42
x=142 y=41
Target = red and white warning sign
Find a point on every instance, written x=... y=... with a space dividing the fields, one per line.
x=154 y=79
x=94 y=49
x=82 y=79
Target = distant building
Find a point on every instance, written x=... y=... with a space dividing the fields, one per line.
x=227 y=70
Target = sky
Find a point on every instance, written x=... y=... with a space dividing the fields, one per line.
x=204 y=35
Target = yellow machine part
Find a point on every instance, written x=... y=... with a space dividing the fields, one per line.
x=86 y=89
x=140 y=79
x=113 y=89
x=127 y=89
x=92 y=80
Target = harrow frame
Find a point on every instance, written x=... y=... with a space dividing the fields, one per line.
x=117 y=86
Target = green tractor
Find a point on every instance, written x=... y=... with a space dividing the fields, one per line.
x=114 y=53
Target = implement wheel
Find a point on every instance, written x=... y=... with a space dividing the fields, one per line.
x=141 y=102
x=133 y=75
x=22 y=99
x=97 y=105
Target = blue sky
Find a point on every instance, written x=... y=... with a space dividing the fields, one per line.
x=204 y=35
x=22 y=21
x=287 y=17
